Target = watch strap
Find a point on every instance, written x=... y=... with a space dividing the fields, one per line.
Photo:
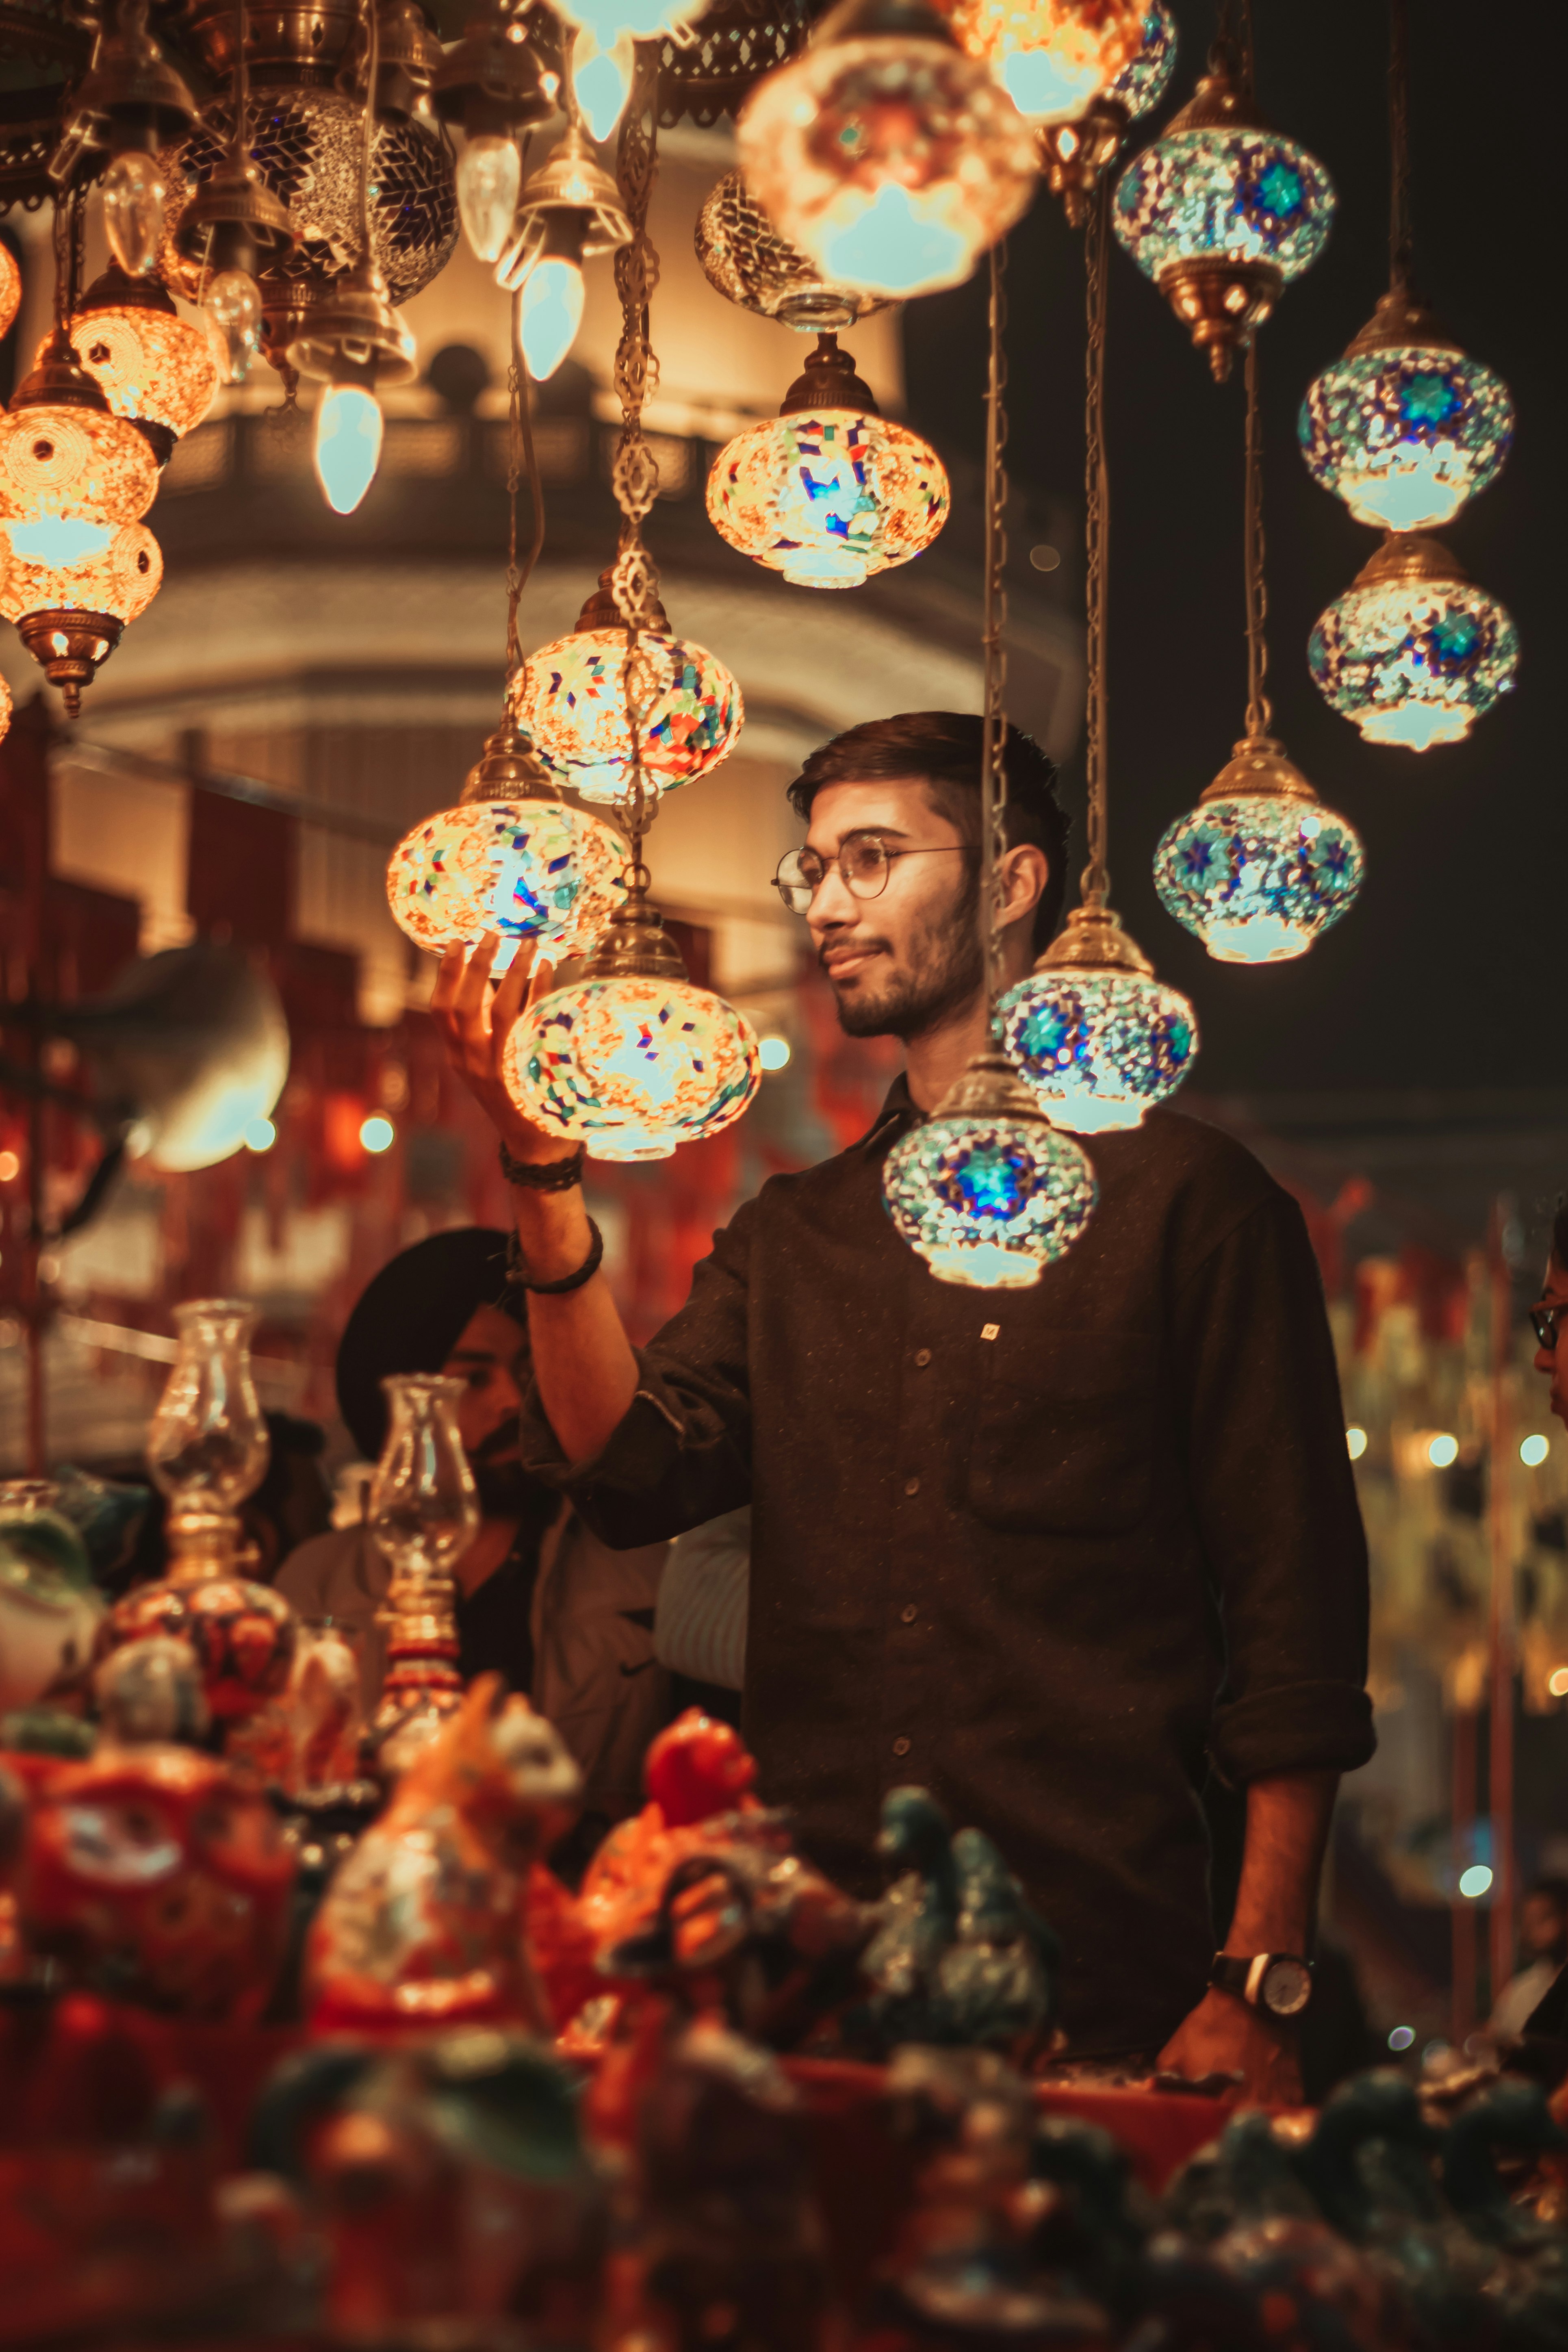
x=1242 y=1974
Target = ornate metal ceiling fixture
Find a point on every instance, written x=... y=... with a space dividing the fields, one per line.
x=734 y=44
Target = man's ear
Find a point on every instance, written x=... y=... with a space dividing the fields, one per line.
x=1026 y=871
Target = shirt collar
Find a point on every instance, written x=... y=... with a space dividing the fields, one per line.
x=899 y=1107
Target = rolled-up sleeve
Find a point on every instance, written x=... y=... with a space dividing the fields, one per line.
x=1275 y=1502
x=681 y=1452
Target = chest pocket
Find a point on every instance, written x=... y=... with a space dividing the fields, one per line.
x=1065 y=1428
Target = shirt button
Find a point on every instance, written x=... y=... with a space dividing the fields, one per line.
x=923 y=1358
x=908 y=1613
x=911 y=1485
x=900 y=1747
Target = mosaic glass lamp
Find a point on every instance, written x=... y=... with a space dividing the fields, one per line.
x=5 y=710
x=70 y=616
x=1405 y=427
x=631 y=1059
x=574 y=705
x=1051 y=56
x=1260 y=868
x=885 y=154
x=153 y=367
x=70 y=472
x=1223 y=214
x=1414 y=651
x=512 y=857
x=986 y=1190
x=1098 y=1038
x=828 y=492
x=1076 y=154
x=10 y=289
x=1145 y=79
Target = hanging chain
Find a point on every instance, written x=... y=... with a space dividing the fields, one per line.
x=520 y=458
x=993 y=737
x=635 y=474
x=1400 y=242
x=1097 y=539
x=1248 y=54
x=367 y=143
x=1260 y=710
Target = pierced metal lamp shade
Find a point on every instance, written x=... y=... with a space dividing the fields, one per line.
x=1052 y=56
x=1260 y=868
x=1414 y=653
x=986 y=1190
x=1405 y=427
x=1222 y=213
x=152 y=366
x=575 y=708
x=1097 y=1039
x=744 y=259
x=888 y=156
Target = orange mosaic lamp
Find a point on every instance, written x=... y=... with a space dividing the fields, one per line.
x=10 y=289
x=1052 y=56
x=829 y=491
x=70 y=616
x=153 y=367
x=71 y=472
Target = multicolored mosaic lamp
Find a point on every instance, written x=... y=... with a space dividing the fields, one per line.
x=513 y=858
x=830 y=491
x=70 y=616
x=884 y=153
x=1260 y=868
x=71 y=472
x=1222 y=213
x=153 y=367
x=1405 y=428
x=1051 y=56
x=10 y=289
x=1076 y=153
x=1097 y=1039
x=575 y=704
x=986 y=1190
x=631 y=1059
x=1414 y=653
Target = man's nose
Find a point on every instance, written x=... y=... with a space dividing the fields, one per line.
x=1546 y=1361
x=834 y=903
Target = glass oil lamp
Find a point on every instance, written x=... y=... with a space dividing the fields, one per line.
x=424 y=1513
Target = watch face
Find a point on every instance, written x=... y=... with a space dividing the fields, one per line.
x=1286 y=1988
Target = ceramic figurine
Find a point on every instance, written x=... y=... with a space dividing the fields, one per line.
x=699 y=1778
x=420 y=1925
x=242 y=1634
x=49 y=1607
x=451 y=2186
x=307 y=1739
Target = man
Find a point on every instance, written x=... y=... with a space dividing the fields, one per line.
x=540 y=1599
x=1046 y=1552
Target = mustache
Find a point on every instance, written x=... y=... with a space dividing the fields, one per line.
x=861 y=947
x=501 y=1439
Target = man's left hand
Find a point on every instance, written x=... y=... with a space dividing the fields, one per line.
x=1226 y=2036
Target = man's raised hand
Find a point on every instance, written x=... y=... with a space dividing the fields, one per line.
x=474 y=1024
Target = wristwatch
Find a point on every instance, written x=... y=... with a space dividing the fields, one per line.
x=1279 y=1983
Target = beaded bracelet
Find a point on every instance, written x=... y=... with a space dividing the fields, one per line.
x=543 y=1175
x=589 y=1268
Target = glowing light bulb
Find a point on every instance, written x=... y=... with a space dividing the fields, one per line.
x=377 y=1134
x=1475 y=1882
x=135 y=190
x=602 y=80
x=490 y=173
x=552 y=313
x=234 y=319
x=1443 y=1450
x=1355 y=1442
x=1533 y=1451
x=348 y=444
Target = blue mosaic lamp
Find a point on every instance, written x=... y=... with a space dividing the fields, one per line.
x=1414 y=651
x=1222 y=213
x=1260 y=868
x=1074 y=155
x=1405 y=428
x=1098 y=1038
x=986 y=1190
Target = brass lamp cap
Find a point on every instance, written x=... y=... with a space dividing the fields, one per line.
x=357 y=334
x=509 y=769
x=829 y=381
x=59 y=380
x=1219 y=102
x=601 y=612
x=487 y=82
x=1073 y=155
x=68 y=646
x=870 y=20
x=1410 y=555
x=131 y=82
x=116 y=289
x=634 y=943
x=990 y=1088
x=1093 y=940
x=1259 y=769
x=239 y=197
x=1401 y=319
x=572 y=180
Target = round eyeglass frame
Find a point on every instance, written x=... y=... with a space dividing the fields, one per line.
x=789 y=890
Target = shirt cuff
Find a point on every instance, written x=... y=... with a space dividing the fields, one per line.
x=1297 y=1727
x=636 y=1453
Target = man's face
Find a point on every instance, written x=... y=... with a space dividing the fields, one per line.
x=491 y=1359
x=1554 y=1362
x=1544 y=1931
x=901 y=961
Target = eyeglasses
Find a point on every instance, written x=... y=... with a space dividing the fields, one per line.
x=862 y=861
x=1544 y=1322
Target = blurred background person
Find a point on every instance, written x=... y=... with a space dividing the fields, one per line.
x=1544 y=1949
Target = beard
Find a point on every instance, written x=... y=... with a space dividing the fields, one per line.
x=946 y=970
x=505 y=1489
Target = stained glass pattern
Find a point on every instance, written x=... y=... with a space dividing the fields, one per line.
x=828 y=496
x=121 y=582
x=533 y=871
x=10 y=288
x=1051 y=56
x=1405 y=437
x=1142 y=84
x=73 y=465
x=1097 y=1048
x=147 y=365
x=988 y=1203
x=1231 y=195
x=575 y=708
x=1413 y=662
x=632 y=1066
x=1259 y=877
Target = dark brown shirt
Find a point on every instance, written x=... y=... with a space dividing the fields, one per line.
x=1046 y=1552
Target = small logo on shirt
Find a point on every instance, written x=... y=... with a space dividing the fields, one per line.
x=990 y=1331
x=641 y=1669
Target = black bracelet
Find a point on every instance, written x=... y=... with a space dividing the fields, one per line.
x=589 y=1268
x=543 y=1175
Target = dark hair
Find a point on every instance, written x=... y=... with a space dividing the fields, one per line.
x=944 y=747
